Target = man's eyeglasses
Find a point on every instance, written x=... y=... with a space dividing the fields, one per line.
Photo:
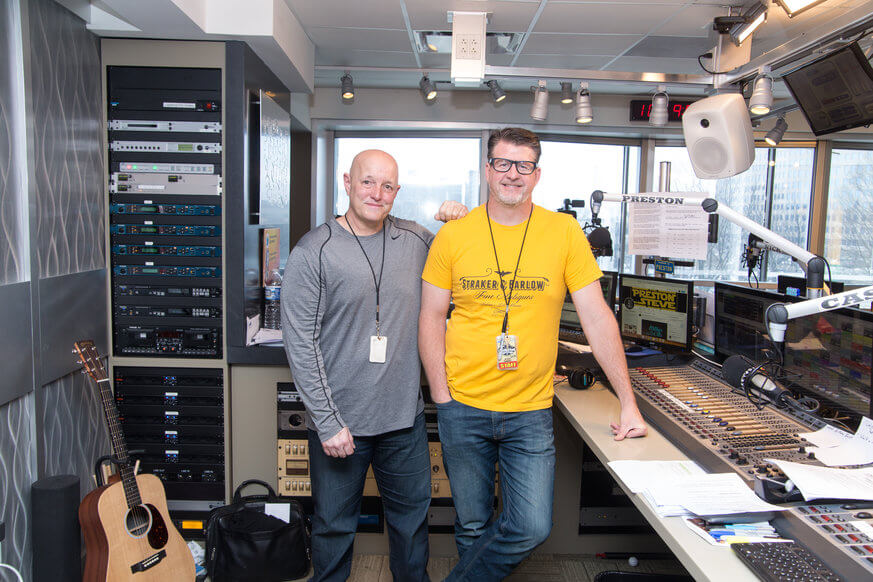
x=503 y=165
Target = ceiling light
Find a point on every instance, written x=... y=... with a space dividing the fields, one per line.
x=539 y=109
x=658 y=116
x=794 y=7
x=428 y=91
x=348 y=88
x=566 y=92
x=497 y=93
x=584 y=113
x=774 y=136
x=762 y=96
x=740 y=27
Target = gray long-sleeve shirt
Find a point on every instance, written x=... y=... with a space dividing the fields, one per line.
x=329 y=314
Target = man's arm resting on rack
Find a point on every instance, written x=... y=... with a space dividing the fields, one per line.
x=432 y=339
x=603 y=335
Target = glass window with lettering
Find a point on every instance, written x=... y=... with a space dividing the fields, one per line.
x=574 y=170
x=431 y=171
x=748 y=193
x=848 y=240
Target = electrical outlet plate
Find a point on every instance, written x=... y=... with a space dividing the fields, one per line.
x=468 y=48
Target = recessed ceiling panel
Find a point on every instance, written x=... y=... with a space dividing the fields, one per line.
x=673 y=47
x=656 y=65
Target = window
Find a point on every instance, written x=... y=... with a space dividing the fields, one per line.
x=432 y=170
x=848 y=240
x=783 y=175
x=574 y=170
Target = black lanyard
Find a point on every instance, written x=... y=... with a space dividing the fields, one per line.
x=378 y=283
x=506 y=298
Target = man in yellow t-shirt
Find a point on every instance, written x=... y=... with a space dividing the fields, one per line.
x=507 y=266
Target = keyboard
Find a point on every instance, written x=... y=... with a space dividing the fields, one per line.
x=781 y=562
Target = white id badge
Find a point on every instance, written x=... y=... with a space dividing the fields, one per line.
x=507 y=352
x=378 y=349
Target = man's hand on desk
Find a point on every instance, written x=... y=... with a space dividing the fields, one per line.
x=631 y=424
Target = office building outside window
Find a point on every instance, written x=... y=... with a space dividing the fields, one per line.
x=848 y=240
x=432 y=170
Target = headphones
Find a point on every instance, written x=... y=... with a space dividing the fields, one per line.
x=579 y=378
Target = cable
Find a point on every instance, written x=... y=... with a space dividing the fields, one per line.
x=14 y=571
x=700 y=62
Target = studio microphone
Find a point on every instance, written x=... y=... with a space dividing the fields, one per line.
x=600 y=241
x=737 y=371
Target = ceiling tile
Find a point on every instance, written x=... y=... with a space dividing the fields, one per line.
x=561 y=61
x=360 y=39
x=339 y=57
x=606 y=18
x=691 y=21
x=673 y=47
x=343 y=13
x=656 y=65
x=578 y=44
x=504 y=16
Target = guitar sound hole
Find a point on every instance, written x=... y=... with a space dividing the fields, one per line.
x=138 y=521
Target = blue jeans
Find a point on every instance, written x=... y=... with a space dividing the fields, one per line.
x=524 y=446
x=401 y=464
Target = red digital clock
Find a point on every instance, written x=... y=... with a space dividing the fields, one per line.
x=641 y=108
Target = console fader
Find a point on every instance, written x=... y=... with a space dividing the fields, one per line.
x=722 y=431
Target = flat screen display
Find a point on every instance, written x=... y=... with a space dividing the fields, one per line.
x=655 y=311
x=570 y=327
x=796 y=286
x=834 y=92
x=827 y=356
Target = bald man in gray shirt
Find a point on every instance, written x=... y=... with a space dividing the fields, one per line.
x=350 y=302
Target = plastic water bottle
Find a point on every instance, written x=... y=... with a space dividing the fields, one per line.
x=272 y=293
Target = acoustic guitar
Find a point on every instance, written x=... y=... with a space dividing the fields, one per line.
x=126 y=526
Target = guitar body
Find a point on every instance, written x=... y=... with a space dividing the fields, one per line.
x=118 y=538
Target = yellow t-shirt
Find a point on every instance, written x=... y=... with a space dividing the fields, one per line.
x=556 y=256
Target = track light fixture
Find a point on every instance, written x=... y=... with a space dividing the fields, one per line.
x=584 y=112
x=775 y=135
x=566 y=92
x=497 y=93
x=540 y=108
x=348 y=88
x=658 y=116
x=761 y=100
x=795 y=7
x=428 y=91
x=742 y=26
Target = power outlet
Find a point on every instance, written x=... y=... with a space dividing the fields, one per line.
x=468 y=47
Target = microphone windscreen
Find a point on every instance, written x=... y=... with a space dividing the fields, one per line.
x=733 y=369
x=599 y=238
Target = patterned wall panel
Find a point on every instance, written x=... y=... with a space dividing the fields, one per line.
x=68 y=163
x=13 y=231
x=73 y=432
x=16 y=475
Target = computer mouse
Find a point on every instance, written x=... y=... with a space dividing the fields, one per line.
x=633 y=349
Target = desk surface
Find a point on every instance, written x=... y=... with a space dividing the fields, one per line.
x=590 y=412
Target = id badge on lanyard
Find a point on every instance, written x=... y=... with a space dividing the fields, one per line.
x=507 y=352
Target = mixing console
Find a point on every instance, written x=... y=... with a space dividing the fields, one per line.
x=722 y=431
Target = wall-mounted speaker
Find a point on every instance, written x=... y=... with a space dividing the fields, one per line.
x=718 y=136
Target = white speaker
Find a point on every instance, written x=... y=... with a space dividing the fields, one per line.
x=718 y=136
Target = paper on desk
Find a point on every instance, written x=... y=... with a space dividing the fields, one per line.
x=639 y=475
x=856 y=451
x=266 y=336
x=711 y=494
x=824 y=482
x=829 y=436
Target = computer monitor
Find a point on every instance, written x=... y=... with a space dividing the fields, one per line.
x=796 y=286
x=570 y=328
x=655 y=312
x=827 y=356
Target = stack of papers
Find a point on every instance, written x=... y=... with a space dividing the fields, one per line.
x=838 y=448
x=682 y=488
x=826 y=483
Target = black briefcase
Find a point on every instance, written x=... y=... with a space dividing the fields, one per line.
x=243 y=544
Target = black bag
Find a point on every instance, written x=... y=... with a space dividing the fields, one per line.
x=243 y=544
